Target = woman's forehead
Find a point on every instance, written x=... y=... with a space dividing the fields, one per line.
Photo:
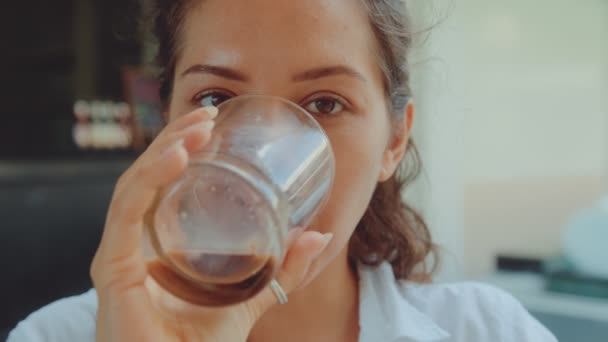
x=265 y=34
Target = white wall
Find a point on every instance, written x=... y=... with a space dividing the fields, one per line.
x=538 y=76
x=440 y=103
x=513 y=123
x=536 y=142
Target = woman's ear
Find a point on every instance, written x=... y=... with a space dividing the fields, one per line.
x=398 y=145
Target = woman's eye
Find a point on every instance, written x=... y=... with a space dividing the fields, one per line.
x=324 y=105
x=213 y=99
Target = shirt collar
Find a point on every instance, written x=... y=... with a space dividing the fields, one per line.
x=384 y=313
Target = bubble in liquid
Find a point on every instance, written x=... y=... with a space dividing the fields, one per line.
x=232 y=198
x=251 y=213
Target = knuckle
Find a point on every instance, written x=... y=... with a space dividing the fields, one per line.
x=140 y=172
x=126 y=176
x=121 y=181
x=118 y=276
x=94 y=269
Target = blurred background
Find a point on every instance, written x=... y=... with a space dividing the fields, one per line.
x=513 y=128
x=512 y=125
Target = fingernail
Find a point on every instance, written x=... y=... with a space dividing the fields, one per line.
x=207 y=124
x=211 y=110
x=326 y=240
x=172 y=149
x=201 y=126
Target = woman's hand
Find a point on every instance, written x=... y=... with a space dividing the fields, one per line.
x=132 y=308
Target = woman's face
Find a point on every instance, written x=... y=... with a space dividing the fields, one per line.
x=317 y=53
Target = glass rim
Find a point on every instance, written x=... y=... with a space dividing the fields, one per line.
x=309 y=117
x=285 y=101
x=310 y=120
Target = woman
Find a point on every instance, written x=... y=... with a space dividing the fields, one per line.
x=351 y=276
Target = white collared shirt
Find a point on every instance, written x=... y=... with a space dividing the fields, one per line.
x=390 y=310
x=399 y=311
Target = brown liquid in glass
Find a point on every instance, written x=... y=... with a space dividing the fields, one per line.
x=240 y=277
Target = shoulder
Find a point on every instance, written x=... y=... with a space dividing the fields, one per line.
x=475 y=311
x=68 y=319
x=442 y=312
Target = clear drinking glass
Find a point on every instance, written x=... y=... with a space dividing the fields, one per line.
x=220 y=233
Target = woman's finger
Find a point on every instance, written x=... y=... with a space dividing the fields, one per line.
x=198 y=115
x=165 y=168
x=192 y=118
x=297 y=262
x=158 y=166
x=194 y=138
x=167 y=136
x=119 y=260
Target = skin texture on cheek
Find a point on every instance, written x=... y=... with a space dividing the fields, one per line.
x=358 y=149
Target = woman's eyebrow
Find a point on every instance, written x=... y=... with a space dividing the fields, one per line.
x=215 y=70
x=308 y=75
x=328 y=71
